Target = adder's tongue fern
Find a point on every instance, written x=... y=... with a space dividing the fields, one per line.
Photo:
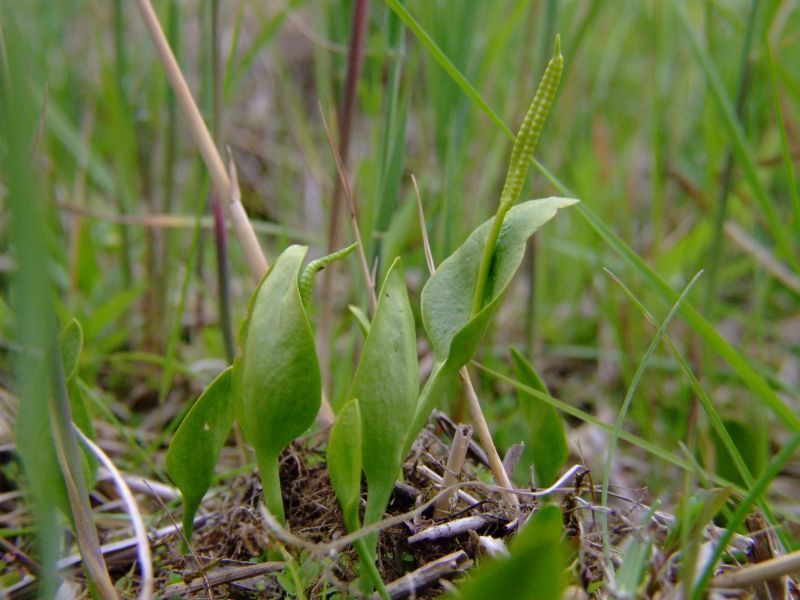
x=521 y=156
x=309 y=273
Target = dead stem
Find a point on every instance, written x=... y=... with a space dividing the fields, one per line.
x=140 y=532
x=205 y=144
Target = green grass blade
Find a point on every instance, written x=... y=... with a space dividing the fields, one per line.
x=760 y=486
x=586 y=417
x=738 y=362
x=740 y=146
x=447 y=64
x=786 y=153
x=623 y=411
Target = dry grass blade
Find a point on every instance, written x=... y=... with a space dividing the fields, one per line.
x=763 y=256
x=485 y=436
x=769 y=569
x=323 y=549
x=242 y=227
x=429 y=473
x=140 y=532
x=412 y=583
x=455 y=462
x=223 y=576
x=348 y=194
x=426 y=244
x=69 y=460
x=205 y=144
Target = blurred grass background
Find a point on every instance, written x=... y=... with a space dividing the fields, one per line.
x=676 y=124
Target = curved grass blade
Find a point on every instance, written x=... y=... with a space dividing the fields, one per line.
x=276 y=379
x=784 y=239
x=653 y=449
x=623 y=411
x=440 y=57
x=759 y=487
x=195 y=448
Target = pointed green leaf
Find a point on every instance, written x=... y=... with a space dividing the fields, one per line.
x=361 y=318
x=547 y=445
x=195 y=447
x=635 y=555
x=71 y=344
x=446 y=301
x=447 y=296
x=531 y=571
x=344 y=461
x=277 y=381
x=387 y=380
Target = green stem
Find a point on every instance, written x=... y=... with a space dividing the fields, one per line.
x=368 y=563
x=367 y=547
x=269 y=467
x=353 y=523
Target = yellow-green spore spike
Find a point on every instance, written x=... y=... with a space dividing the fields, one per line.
x=531 y=129
x=309 y=273
x=521 y=156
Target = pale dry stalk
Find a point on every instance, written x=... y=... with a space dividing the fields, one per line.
x=455 y=462
x=222 y=182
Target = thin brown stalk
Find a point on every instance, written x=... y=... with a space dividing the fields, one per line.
x=348 y=194
x=355 y=63
x=426 y=244
x=763 y=571
x=224 y=185
x=485 y=436
x=763 y=256
x=455 y=462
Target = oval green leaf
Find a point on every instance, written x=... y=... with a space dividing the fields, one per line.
x=447 y=296
x=195 y=447
x=276 y=377
x=387 y=383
